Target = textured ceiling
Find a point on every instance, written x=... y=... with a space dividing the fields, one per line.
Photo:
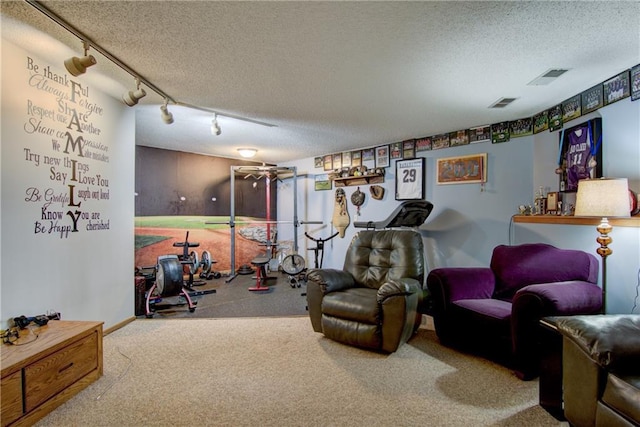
x=336 y=76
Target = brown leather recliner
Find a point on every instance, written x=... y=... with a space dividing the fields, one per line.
x=372 y=302
x=601 y=370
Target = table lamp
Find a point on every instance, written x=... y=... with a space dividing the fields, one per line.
x=603 y=197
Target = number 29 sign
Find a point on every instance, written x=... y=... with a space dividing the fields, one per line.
x=410 y=179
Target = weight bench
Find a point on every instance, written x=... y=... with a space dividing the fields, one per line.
x=411 y=213
x=261 y=277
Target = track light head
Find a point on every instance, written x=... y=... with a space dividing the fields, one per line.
x=166 y=115
x=76 y=66
x=215 y=127
x=132 y=97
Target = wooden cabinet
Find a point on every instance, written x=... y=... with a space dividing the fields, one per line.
x=11 y=395
x=38 y=376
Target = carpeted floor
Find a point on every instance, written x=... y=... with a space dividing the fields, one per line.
x=233 y=299
x=276 y=371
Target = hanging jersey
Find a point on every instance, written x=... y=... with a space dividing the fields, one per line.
x=578 y=157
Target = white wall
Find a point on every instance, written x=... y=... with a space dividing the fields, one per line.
x=469 y=220
x=62 y=264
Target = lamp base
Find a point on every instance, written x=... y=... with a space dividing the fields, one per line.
x=604 y=228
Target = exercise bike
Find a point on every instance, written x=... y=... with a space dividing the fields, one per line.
x=319 y=248
x=294 y=264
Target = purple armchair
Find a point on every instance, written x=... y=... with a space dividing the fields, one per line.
x=496 y=311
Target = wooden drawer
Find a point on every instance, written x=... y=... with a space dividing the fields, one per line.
x=52 y=374
x=11 y=394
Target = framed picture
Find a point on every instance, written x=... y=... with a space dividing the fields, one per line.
x=409 y=149
x=317 y=162
x=356 y=158
x=440 y=141
x=552 y=202
x=396 y=151
x=462 y=169
x=571 y=108
x=555 y=117
x=480 y=134
x=459 y=137
x=337 y=161
x=541 y=122
x=328 y=162
x=580 y=154
x=635 y=83
x=616 y=88
x=410 y=179
x=500 y=132
x=521 y=127
x=423 y=144
x=369 y=158
x=346 y=159
x=592 y=99
x=382 y=156
x=322 y=182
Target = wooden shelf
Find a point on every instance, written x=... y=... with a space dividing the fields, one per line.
x=634 y=221
x=358 y=180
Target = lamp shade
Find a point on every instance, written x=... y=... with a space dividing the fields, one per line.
x=604 y=197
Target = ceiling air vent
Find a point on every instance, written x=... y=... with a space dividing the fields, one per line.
x=547 y=77
x=502 y=102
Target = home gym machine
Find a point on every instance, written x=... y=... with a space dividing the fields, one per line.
x=169 y=276
x=268 y=173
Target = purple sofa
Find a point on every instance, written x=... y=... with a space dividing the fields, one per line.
x=496 y=311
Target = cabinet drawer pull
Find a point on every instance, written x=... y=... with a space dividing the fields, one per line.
x=64 y=368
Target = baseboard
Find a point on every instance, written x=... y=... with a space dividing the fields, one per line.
x=118 y=325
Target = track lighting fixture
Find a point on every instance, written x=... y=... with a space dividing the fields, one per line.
x=132 y=97
x=215 y=127
x=247 y=153
x=167 y=117
x=77 y=66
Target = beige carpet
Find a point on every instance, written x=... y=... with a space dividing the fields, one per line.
x=278 y=372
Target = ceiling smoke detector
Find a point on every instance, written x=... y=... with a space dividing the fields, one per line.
x=502 y=102
x=547 y=77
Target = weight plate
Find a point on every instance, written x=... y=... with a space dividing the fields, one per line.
x=293 y=264
x=206 y=262
x=193 y=262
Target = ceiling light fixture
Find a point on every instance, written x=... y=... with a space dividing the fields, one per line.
x=166 y=115
x=77 y=66
x=247 y=153
x=215 y=127
x=132 y=97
